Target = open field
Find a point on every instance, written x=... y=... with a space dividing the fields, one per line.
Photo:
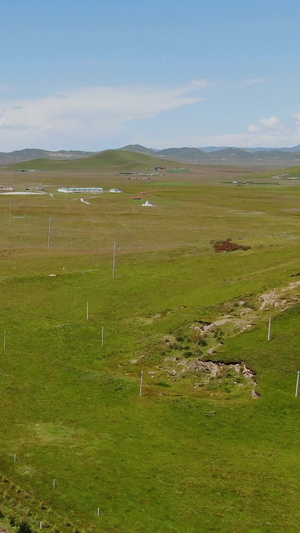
x=196 y=452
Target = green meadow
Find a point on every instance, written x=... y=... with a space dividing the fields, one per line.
x=85 y=448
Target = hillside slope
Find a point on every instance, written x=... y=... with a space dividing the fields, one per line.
x=29 y=154
x=115 y=159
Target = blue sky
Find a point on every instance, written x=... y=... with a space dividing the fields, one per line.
x=94 y=75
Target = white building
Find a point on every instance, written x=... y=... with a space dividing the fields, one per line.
x=81 y=189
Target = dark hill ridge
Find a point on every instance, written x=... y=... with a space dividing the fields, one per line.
x=238 y=154
x=184 y=153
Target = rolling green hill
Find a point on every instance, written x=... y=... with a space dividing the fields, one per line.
x=115 y=159
x=139 y=148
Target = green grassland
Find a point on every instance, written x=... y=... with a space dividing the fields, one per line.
x=189 y=455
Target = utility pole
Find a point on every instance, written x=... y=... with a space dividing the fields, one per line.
x=297 y=384
x=270 y=329
x=49 y=233
x=114 y=258
x=141 y=383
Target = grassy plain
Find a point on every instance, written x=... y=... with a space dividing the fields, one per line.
x=181 y=458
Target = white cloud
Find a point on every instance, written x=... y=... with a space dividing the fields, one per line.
x=92 y=117
x=88 y=112
x=200 y=84
x=272 y=138
x=271 y=122
x=265 y=123
x=253 y=128
x=269 y=132
x=296 y=117
x=255 y=81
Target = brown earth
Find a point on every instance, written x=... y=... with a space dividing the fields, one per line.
x=228 y=246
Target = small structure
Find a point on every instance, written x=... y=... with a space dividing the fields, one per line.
x=81 y=189
x=147 y=204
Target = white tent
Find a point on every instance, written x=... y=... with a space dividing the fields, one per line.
x=147 y=204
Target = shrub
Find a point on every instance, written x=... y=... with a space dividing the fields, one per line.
x=202 y=342
x=24 y=527
x=12 y=521
x=174 y=346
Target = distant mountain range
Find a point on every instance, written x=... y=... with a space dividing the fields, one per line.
x=209 y=154
x=257 y=149
x=214 y=154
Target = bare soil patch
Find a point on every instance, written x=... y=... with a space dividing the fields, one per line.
x=228 y=246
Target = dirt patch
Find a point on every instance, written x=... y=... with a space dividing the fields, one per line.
x=228 y=246
x=144 y=320
x=233 y=325
x=280 y=298
x=208 y=370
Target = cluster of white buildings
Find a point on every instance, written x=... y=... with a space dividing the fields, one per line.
x=91 y=190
